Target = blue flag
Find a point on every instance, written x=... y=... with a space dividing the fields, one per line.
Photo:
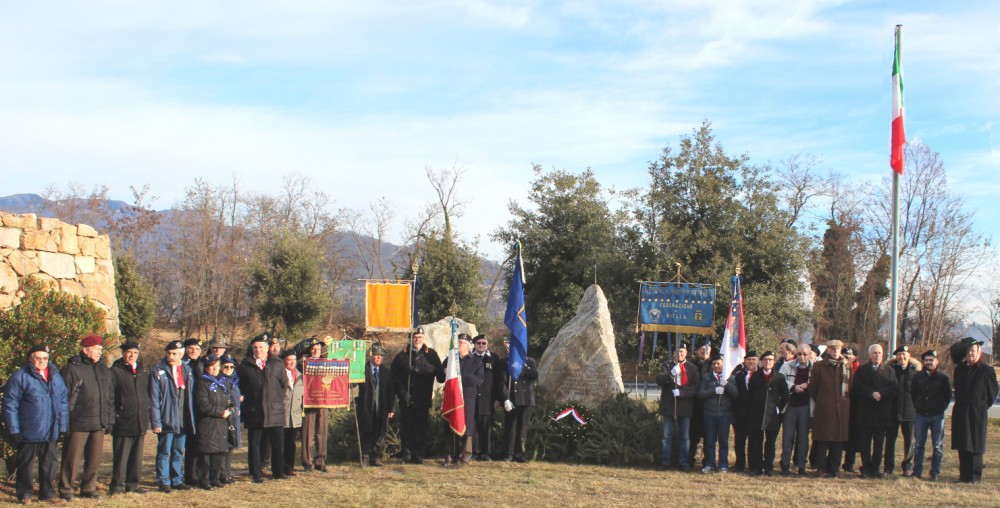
x=515 y=318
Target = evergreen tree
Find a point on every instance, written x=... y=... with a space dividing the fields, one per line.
x=137 y=300
x=286 y=284
x=833 y=285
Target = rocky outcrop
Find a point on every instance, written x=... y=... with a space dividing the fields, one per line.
x=581 y=363
x=73 y=259
x=437 y=335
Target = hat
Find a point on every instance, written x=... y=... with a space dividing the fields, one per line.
x=766 y=354
x=419 y=331
x=217 y=343
x=228 y=359
x=682 y=345
x=901 y=349
x=92 y=340
x=174 y=344
x=210 y=359
x=261 y=338
x=192 y=342
x=703 y=342
x=506 y=340
x=815 y=348
x=480 y=336
x=834 y=343
x=287 y=353
x=848 y=351
x=969 y=341
x=130 y=345
x=929 y=352
x=465 y=336
x=377 y=349
x=714 y=358
x=750 y=354
x=788 y=340
x=276 y=340
x=38 y=348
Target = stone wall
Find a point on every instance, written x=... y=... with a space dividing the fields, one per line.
x=72 y=259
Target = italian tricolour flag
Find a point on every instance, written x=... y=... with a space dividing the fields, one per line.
x=898 y=134
x=453 y=406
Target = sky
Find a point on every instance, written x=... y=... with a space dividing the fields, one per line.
x=361 y=96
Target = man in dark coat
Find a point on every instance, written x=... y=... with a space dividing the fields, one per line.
x=471 y=371
x=36 y=413
x=718 y=396
x=931 y=393
x=263 y=382
x=192 y=358
x=975 y=391
x=487 y=397
x=171 y=415
x=904 y=368
x=413 y=373
x=700 y=359
x=741 y=408
x=130 y=379
x=519 y=402
x=679 y=383
x=875 y=394
x=91 y=416
x=768 y=394
x=376 y=405
x=830 y=389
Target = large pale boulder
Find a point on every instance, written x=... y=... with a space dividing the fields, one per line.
x=25 y=221
x=437 y=335
x=10 y=238
x=581 y=363
x=8 y=285
x=21 y=263
x=85 y=264
x=60 y=266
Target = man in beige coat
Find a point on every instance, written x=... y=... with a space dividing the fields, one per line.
x=293 y=410
x=830 y=389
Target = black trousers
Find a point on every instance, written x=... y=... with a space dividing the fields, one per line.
x=210 y=468
x=697 y=434
x=740 y=436
x=761 y=449
x=871 y=442
x=46 y=454
x=288 y=449
x=126 y=461
x=373 y=439
x=191 y=462
x=227 y=466
x=414 y=431
x=515 y=429
x=851 y=446
x=890 y=446
x=256 y=438
x=484 y=427
x=828 y=455
x=970 y=466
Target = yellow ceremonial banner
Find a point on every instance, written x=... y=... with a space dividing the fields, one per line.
x=388 y=306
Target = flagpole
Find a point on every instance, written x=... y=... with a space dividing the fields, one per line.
x=894 y=284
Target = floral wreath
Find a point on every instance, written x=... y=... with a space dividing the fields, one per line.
x=571 y=421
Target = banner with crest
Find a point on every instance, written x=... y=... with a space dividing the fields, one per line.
x=680 y=307
x=326 y=383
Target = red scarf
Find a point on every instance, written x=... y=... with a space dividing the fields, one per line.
x=684 y=374
x=767 y=376
x=179 y=376
x=45 y=374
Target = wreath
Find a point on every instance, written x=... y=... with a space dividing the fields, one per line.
x=571 y=422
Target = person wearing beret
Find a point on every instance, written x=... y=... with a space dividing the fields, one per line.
x=717 y=395
x=292 y=409
x=315 y=424
x=171 y=415
x=799 y=411
x=976 y=389
x=470 y=370
x=931 y=394
x=213 y=409
x=130 y=379
x=830 y=389
x=768 y=397
x=91 y=416
x=741 y=409
x=487 y=397
x=679 y=382
x=192 y=358
x=700 y=359
x=904 y=368
x=234 y=436
x=851 y=446
x=875 y=390
x=518 y=402
x=413 y=373
x=263 y=382
x=36 y=413
x=376 y=405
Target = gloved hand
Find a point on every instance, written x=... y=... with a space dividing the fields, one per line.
x=719 y=390
x=677 y=393
x=15 y=439
x=508 y=406
x=675 y=371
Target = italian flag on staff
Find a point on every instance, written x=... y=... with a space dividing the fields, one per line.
x=898 y=133
x=453 y=403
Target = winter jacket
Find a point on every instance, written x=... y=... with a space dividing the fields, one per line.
x=931 y=392
x=715 y=404
x=975 y=391
x=263 y=392
x=830 y=388
x=904 y=382
x=688 y=390
x=91 y=399
x=365 y=402
x=413 y=375
x=211 y=400
x=767 y=400
x=131 y=398
x=788 y=369
x=36 y=409
x=869 y=380
x=293 y=403
x=233 y=387
x=520 y=391
x=167 y=411
x=489 y=390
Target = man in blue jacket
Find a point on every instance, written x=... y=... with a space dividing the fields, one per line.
x=171 y=415
x=36 y=412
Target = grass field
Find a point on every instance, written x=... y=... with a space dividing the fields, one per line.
x=552 y=484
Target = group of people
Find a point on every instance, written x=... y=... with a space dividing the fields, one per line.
x=851 y=408
x=197 y=406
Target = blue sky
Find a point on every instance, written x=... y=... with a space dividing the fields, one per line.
x=362 y=95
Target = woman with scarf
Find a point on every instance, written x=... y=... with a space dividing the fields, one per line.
x=214 y=407
x=232 y=380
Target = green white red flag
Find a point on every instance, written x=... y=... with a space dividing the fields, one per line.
x=452 y=409
x=898 y=133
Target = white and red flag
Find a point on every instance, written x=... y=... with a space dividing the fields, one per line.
x=452 y=409
x=734 y=340
x=898 y=133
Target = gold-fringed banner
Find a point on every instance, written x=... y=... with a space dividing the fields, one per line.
x=388 y=305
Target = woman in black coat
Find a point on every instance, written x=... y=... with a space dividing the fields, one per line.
x=213 y=402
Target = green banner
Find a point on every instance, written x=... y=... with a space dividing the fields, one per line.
x=356 y=351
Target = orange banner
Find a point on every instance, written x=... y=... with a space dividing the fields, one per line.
x=388 y=306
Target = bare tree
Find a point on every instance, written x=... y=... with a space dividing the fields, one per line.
x=799 y=181
x=444 y=183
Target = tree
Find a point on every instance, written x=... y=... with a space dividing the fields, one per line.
x=450 y=274
x=833 y=285
x=867 y=303
x=137 y=301
x=286 y=285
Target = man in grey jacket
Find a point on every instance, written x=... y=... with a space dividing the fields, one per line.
x=798 y=412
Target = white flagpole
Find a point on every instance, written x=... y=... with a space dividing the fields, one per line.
x=894 y=294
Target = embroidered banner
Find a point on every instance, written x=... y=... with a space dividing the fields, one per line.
x=681 y=307
x=354 y=350
x=388 y=305
x=326 y=383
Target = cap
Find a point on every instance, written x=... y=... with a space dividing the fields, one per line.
x=901 y=349
x=92 y=340
x=834 y=343
x=419 y=331
x=377 y=349
x=261 y=338
x=766 y=354
x=714 y=358
x=192 y=342
x=930 y=352
x=226 y=359
x=848 y=351
x=210 y=359
x=38 y=348
x=465 y=336
x=682 y=345
x=275 y=340
x=750 y=354
x=288 y=352
x=130 y=345
x=703 y=342
x=969 y=341
x=174 y=344
x=788 y=340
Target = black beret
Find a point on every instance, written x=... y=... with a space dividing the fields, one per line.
x=419 y=331
x=682 y=345
x=929 y=352
x=848 y=351
x=264 y=337
x=751 y=354
x=788 y=341
x=901 y=349
x=287 y=353
x=704 y=341
x=174 y=344
x=766 y=354
x=814 y=347
x=192 y=342
x=714 y=358
x=38 y=348
x=130 y=345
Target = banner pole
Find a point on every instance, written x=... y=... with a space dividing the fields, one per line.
x=357 y=428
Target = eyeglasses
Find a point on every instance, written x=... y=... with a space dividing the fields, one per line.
x=228 y=367
x=481 y=343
